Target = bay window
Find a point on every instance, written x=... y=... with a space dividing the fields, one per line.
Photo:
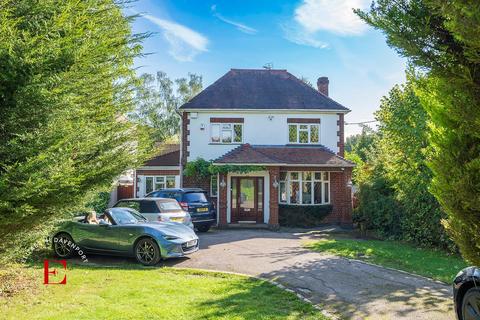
x=304 y=187
x=304 y=133
x=226 y=132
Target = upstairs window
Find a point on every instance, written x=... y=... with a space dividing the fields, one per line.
x=304 y=133
x=226 y=132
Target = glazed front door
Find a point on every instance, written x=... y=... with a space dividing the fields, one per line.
x=247 y=199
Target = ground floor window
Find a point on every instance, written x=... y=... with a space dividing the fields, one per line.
x=153 y=183
x=305 y=187
x=213 y=186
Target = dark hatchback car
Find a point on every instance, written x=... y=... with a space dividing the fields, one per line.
x=195 y=202
x=466 y=294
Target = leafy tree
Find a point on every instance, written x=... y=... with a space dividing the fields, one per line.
x=443 y=38
x=360 y=144
x=66 y=83
x=403 y=145
x=392 y=174
x=158 y=104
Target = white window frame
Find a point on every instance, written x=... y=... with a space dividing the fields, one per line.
x=300 y=180
x=221 y=129
x=155 y=182
x=309 y=132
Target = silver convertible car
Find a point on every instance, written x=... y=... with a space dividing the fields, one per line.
x=124 y=231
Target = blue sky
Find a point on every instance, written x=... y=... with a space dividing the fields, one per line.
x=309 y=38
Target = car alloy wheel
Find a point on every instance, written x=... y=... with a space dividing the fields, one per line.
x=471 y=305
x=61 y=245
x=147 y=252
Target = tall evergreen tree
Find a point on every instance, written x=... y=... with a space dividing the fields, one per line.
x=443 y=38
x=66 y=82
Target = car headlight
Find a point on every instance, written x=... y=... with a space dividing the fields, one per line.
x=169 y=237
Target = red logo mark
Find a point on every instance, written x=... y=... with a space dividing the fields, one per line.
x=47 y=272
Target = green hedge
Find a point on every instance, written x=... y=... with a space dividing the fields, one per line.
x=302 y=216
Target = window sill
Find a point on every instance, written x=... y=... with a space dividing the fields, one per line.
x=225 y=143
x=304 y=204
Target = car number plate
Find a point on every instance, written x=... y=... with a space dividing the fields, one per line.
x=202 y=209
x=177 y=219
x=191 y=243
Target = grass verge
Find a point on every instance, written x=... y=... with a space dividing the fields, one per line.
x=154 y=293
x=429 y=263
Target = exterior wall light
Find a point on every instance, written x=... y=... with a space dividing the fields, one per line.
x=202 y=126
x=222 y=183
x=275 y=182
x=349 y=183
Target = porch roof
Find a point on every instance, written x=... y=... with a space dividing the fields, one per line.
x=283 y=155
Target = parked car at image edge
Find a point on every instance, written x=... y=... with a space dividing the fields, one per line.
x=195 y=202
x=129 y=234
x=466 y=294
x=158 y=209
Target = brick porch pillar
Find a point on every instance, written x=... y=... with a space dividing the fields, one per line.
x=348 y=207
x=222 y=201
x=274 y=173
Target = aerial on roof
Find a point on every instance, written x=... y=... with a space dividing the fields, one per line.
x=316 y=155
x=261 y=89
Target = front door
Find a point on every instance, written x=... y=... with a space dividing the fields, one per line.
x=247 y=199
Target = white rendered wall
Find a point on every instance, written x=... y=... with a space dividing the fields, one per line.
x=258 y=128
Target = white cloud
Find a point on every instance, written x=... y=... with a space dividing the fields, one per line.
x=335 y=16
x=240 y=26
x=296 y=35
x=184 y=42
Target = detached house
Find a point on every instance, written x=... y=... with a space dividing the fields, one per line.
x=269 y=119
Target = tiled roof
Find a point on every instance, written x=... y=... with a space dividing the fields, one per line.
x=314 y=155
x=261 y=89
x=168 y=155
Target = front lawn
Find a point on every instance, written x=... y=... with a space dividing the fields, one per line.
x=153 y=293
x=429 y=263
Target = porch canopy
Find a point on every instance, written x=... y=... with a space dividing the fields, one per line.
x=283 y=155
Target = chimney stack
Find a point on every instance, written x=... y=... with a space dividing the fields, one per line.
x=322 y=85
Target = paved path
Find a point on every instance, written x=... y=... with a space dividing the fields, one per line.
x=350 y=288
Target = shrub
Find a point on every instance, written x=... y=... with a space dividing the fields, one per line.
x=302 y=216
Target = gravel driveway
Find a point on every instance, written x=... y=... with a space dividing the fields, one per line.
x=348 y=288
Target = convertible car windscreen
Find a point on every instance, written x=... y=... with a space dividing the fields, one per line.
x=126 y=216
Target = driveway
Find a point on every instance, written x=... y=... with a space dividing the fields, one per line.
x=352 y=289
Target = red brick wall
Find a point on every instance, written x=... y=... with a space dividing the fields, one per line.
x=222 y=206
x=195 y=182
x=185 y=133
x=341 y=199
x=341 y=135
x=274 y=173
